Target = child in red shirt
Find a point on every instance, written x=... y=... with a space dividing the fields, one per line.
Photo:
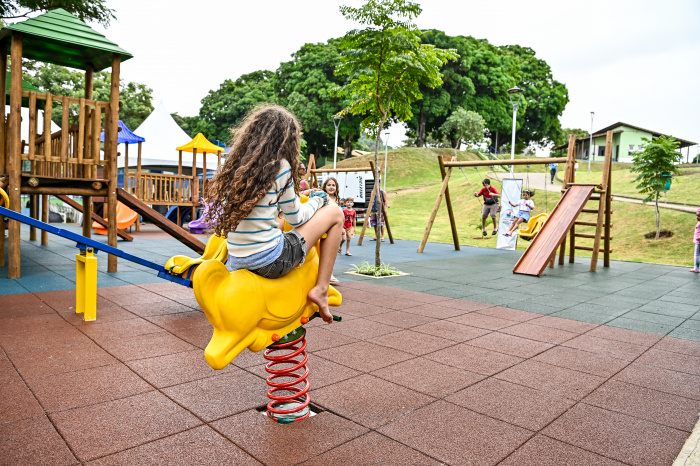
x=349 y=225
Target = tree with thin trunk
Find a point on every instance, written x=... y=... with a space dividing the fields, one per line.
x=386 y=63
x=656 y=165
x=467 y=126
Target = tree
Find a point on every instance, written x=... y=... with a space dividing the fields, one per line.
x=563 y=137
x=187 y=123
x=655 y=164
x=85 y=10
x=466 y=126
x=386 y=63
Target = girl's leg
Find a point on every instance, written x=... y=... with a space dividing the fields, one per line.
x=329 y=219
x=697 y=257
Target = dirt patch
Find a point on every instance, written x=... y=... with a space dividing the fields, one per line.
x=662 y=234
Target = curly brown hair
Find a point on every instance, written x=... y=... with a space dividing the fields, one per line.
x=265 y=137
x=336 y=196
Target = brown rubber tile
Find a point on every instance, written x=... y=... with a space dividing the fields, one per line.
x=436 y=310
x=103 y=331
x=273 y=443
x=145 y=346
x=509 y=314
x=552 y=379
x=413 y=342
x=401 y=319
x=423 y=297
x=510 y=344
x=392 y=299
x=606 y=347
x=451 y=331
x=673 y=361
x=319 y=338
x=63 y=301
x=32 y=323
x=358 y=309
x=364 y=356
x=103 y=315
x=545 y=451
x=155 y=309
x=196 y=336
x=573 y=326
x=169 y=290
x=220 y=396
x=17 y=402
x=624 y=438
x=180 y=321
x=22 y=305
x=475 y=319
x=201 y=445
x=456 y=435
x=130 y=294
x=628 y=336
x=368 y=400
x=514 y=404
x=429 y=377
x=57 y=360
x=8 y=373
x=676 y=345
x=361 y=329
x=372 y=449
x=106 y=428
x=473 y=359
x=539 y=333
x=663 y=380
x=43 y=340
x=661 y=408
x=583 y=361
x=33 y=442
x=248 y=358
x=464 y=305
x=175 y=369
x=87 y=387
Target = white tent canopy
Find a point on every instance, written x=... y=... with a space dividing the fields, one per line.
x=24 y=125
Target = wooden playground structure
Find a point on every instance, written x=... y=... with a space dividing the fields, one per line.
x=312 y=177
x=563 y=219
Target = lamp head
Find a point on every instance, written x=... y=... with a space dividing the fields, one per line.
x=513 y=92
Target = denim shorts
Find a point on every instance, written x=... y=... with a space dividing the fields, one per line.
x=524 y=215
x=293 y=254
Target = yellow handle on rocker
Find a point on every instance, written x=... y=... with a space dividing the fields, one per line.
x=5 y=198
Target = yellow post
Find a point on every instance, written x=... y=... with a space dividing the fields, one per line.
x=86 y=284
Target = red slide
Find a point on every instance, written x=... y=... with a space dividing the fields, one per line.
x=125 y=218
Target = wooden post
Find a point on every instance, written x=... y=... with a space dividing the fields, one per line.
x=87 y=171
x=311 y=177
x=608 y=216
x=3 y=134
x=44 y=218
x=111 y=134
x=14 y=158
x=602 y=207
x=438 y=201
x=450 y=213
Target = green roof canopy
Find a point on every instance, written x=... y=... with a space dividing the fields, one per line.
x=25 y=87
x=60 y=38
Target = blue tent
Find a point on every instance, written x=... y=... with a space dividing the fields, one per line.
x=125 y=136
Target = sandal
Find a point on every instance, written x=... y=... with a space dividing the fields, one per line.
x=348 y=254
x=494 y=232
x=694 y=271
x=484 y=233
x=334 y=281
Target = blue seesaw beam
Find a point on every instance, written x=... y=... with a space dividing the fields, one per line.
x=83 y=242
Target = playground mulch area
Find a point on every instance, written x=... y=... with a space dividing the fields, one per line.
x=461 y=362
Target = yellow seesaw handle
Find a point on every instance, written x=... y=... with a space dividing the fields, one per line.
x=5 y=199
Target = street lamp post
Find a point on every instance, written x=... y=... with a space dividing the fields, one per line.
x=590 y=144
x=386 y=156
x=511 y=92
x=336 y=123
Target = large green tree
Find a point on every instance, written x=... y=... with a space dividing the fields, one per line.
x=85 y=10
x=386 y=63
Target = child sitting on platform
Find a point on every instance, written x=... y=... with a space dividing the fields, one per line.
x=525 y=206
x=259 y=178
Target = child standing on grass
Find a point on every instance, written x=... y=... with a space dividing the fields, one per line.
x=350 y=224
x=525 y=206
x=696 y=240
x=259 y=177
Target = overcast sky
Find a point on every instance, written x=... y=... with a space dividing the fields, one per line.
x=636 y=61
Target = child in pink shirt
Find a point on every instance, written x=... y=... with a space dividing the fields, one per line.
x=696 y=240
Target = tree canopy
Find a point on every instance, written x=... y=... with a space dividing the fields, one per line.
x=464 y=125
x=85 y=10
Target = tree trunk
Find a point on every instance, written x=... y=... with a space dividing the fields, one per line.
x=347 y=146
x=420 y=133
x=658 y=217
x=378 y=199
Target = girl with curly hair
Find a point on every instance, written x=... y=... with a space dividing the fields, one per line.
x=260 y=178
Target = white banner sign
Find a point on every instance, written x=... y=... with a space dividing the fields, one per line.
x=512 y=189
x=350 y=184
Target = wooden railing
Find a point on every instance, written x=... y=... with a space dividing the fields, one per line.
x=161 y=189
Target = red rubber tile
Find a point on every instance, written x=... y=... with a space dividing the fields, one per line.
x=368 y=400
x=358 y=308
x=273 y=443
x=429 y=377
x=87 y=387
x=180 y=321
x=401 y=319
x=17 y=402
x=509 y=344
x=146 y=346
x=103 y=315
x=175 y=369
x=103 y=331
x=361 y=329
x=423 y=297
x=514 y=404
x=198 y=336
x=563 y=324
x=106 y=428
x=539 y=333
x=545 y=451
x=17 y=305
x=661 y=408
x=57 y=360
x=169 y=290
x=43 y=340
x=623 y=334
x=220 y=396
x=509 y=314
x=475 y=319
x=456 y=435
x=617 y=436
x=663 y=380
x=451 y=331
x=465 y=305
x=672 y=361
x=319 y=338
x=391 y=298
x=63 y=301
x=552 y=379
x=248 y=358
x=33 y=323
x=33 y=441
x=473 y=359
x=676 y=345
x=130 y=294
x=614 y=348
x=436 y=310
x=8 y=373
x=364 y=356
x=155 y=309
x=201 y=445
x=583 y=361
x=412 y=342
x=372 y=449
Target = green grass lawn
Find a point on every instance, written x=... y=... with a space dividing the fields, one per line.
x=413 y=183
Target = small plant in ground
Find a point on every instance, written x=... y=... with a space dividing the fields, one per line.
x=383 y=270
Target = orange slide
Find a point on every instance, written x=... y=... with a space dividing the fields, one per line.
x=125 y=218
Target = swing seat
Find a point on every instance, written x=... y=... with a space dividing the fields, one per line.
x=533 y=227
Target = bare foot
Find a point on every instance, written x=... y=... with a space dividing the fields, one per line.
x=319 y=296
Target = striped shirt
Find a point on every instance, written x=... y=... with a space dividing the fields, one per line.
x=259 y=230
